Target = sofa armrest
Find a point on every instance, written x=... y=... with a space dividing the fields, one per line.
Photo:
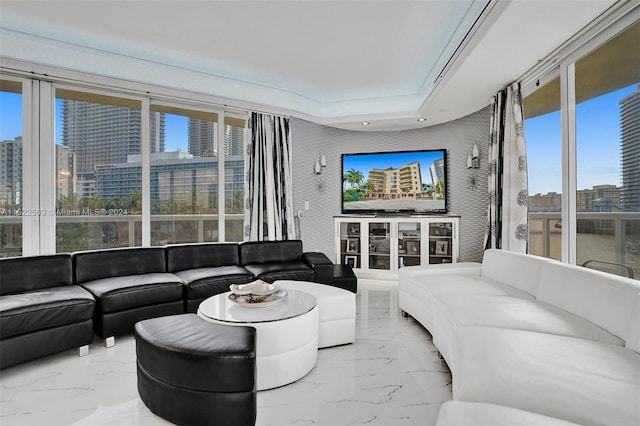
x=321 y=265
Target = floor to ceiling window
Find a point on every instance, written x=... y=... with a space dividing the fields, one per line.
x=607 y=112
x=544 y=158
x=184 y=177
x=11 y=182
x=98 y=175
x=599 y=164
x=234 y=178
x=115 y=170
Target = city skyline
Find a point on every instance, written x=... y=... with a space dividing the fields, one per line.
x=598 y=120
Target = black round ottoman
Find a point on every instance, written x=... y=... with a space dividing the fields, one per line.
x=193 y=372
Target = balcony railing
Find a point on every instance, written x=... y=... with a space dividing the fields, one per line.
x=88 y=232
x=606 y=238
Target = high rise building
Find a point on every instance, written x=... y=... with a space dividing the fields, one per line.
x=630 y=151
x=11 y=172
x=437 y=171
x=65 y=182
x=104 y=134
x=233 y=140
x=202 y=138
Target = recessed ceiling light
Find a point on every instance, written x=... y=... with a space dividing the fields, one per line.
x=421 y=119
x=365 y=123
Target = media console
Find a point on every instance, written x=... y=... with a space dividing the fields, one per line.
x=378 y=246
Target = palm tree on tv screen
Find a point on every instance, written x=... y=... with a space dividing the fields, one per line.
x=353 y=177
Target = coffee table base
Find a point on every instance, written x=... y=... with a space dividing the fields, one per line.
x=286 y=350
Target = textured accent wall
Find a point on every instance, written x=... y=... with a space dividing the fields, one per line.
x=323 y=191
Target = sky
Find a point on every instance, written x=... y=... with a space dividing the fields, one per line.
x=598 y=136
x=598 y=145
x=365 y=162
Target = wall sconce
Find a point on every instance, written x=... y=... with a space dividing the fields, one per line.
x=473 y=158
x=321 y=162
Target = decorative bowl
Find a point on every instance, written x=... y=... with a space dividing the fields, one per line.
x=257 y=290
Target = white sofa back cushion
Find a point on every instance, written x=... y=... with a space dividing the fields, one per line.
x=633 y=342
x=521 y=271
x=604 y=299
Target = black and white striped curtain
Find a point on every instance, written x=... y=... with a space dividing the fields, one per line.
x=268 y=198
x=507 y=212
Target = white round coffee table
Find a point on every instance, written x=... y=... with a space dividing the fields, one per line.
x=286 y=334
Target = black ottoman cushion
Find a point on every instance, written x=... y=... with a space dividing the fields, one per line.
x=194 y=372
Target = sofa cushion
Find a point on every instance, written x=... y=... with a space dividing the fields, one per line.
x=577 y=380
x=452 y=311
x=633 y=342
x=291 y=270
x=20 y=274
x=35 y=310
x=432 y=285
x=195 y=256
x=205 y=282
x=606 y=300
x=521 y=271
x=254 y=252
x=459 y=413
x=94 y=265
x=125 y=292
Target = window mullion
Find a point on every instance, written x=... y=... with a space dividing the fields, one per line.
x=569 y=181
x=145 y=154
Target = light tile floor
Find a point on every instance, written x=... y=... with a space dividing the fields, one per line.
x=390 y=376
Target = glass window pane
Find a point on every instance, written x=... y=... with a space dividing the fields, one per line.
x=11 y=194
x=608 y=157
x=608 y=174
x=544 y=165
x=98 y=175
x=234 y=182
x=184 y=179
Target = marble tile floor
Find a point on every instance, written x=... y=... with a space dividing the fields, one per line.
x=390 y=376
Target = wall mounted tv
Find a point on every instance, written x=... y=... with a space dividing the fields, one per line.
x=399 y=182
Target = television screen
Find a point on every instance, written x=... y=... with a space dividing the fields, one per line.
x=395 y=182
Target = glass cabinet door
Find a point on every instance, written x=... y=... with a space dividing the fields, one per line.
x=408 y=244
x=350 y=244
x=380 y=245
x=441 y=242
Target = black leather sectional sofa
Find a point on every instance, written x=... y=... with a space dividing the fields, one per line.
x=53 y=303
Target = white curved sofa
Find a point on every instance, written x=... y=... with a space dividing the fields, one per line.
x=531 y=338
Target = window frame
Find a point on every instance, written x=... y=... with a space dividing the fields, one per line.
x=562 y=63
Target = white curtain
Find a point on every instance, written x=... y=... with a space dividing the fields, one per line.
x=268 y=198
x=508 y=186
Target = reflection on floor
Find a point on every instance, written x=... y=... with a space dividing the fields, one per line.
x=390 y=376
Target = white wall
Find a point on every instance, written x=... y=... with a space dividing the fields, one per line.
x=458 y=137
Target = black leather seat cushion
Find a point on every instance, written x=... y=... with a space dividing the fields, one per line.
x=189 y=352
x=292 y=270
x=43 y=309
x=205 y=282
x=125 y=292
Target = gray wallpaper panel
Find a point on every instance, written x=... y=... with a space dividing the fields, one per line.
x=323 y=191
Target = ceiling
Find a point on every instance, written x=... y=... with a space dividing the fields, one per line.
x=337 y=63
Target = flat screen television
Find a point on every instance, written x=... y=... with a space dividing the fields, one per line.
x=398 y=182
